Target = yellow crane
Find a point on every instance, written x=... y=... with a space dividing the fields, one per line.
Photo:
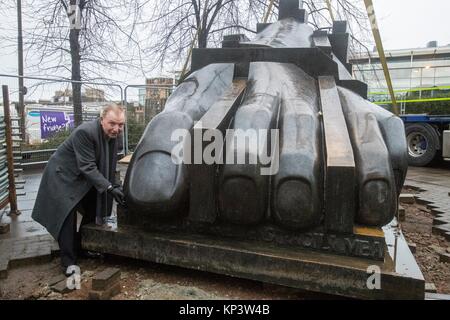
x=376 y=34
x=269 y=10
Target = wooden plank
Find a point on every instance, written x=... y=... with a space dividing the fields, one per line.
x=368 y=231
x=126 y=159
x=340 y=177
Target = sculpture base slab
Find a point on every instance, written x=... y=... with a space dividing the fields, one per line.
x=400 y=277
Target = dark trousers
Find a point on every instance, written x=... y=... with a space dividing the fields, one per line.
x=69 y=239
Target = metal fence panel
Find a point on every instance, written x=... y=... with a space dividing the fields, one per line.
x=48 y=111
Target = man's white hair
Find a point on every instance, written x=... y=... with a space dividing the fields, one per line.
x=111 y=107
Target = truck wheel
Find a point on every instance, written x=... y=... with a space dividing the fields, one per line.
x=422 y=144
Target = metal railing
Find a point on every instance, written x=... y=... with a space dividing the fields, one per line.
x=35 y=157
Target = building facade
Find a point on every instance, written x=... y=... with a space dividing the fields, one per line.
x=153 y=97
x=88 y=95
x=420 y=75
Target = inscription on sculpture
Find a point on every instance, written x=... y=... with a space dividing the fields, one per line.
x=349 y=245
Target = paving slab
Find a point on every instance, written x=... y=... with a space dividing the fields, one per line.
x=430 y=287
x=61 y=287
x=26 y=240
x=444 y=257
x=412 y=247
x=4 y=228
x=433 y=185
x=106 y=279
x=437 y=296
x=407 y=198
x=105 y=294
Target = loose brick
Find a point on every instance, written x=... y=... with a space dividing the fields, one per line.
x=444 y=257
x=437 y=249
x=4 y=228
x=105 y=294
x=430 y=287
x=440 y=216
x=440 y=220
x=105 y=279
x=56 y=279
x=436 y=212
x=437 y=296
x=401 y=213
x=421 y=201
x=412 y=247
x=441 y=230
x=407 y=198
x=3 y=273
x=61 y=287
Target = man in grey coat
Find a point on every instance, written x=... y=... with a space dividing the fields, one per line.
x=80 y=176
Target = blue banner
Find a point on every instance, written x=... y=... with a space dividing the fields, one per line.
x=54 y=121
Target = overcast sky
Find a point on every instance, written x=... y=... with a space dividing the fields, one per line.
x=403 y=24
x=412 y=23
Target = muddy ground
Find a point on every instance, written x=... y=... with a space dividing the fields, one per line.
x=143 y=280
x=417 y=230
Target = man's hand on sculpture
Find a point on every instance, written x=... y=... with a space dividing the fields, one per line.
x=117 y=192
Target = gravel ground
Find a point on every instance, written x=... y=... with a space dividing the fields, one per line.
x=417 y=230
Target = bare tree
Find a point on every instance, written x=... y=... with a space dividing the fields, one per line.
x=85 y=39
x=176 y=24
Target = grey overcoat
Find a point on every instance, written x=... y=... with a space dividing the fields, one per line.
x=78 y=165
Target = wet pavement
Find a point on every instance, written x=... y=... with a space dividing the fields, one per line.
x=26 y=239
x=435 y=176
x=434 y=186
